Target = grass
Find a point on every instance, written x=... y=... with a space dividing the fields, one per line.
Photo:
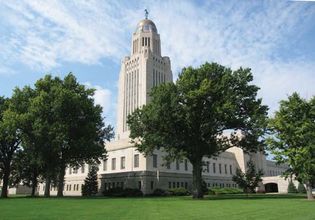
x=230 y=207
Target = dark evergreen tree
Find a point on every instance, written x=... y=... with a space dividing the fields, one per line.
x=90 y=187
x=249 y=180
x=291 y=187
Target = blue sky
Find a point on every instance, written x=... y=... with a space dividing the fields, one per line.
x=89 y=38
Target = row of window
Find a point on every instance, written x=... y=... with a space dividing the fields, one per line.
x=75 y=187
x=228 y=169
x=145 y=42
x=67 y=187
x=122 y=163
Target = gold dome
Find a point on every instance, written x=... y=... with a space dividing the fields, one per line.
x=146 y=25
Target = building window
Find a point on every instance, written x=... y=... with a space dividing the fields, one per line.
x=231 y=172
x=186 y=164
x=214 y=168
x=208 y=167
x=169 y=185
x=152 y=184
x=154 y=161
x=177 y=184
x=186 y=185
x=174 y=185
x=177 y=165
x=70 y=187
x=225 y=168
x=83 y=168
x=182 y=184
x=104 y=165
x=136 y=160
x=113 y=163
x=122 y=162
x=220 y=168
x=75 y=170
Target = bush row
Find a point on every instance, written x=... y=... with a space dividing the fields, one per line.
x=120 y=192
x=218 y=191
x=128 y=192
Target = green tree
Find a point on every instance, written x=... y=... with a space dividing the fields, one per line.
x=26 y=170
x=90 y=186
x=28 y=165
x=69 y=125
x=10 y=139
x=249 y=180
x=291 y=187
x=293 y=138
x=190 y=117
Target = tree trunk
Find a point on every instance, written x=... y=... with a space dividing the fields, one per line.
x=61 y=179
x=47 y=186
x=6 y=175
x=197 y=179
x=34 y=185
x=309 y=190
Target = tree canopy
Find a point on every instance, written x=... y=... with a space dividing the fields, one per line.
x=10 y=139
x=188 y=118
x=293 y=138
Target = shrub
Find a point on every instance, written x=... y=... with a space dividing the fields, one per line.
x=116 y=192
x=133 y=192
x=160 y=192
x=301 y=188
x=120 y=192
x=218 y=191
x=292 y=188
x=179 y=192
x=204 y=188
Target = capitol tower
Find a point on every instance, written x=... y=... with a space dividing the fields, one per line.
x=140 y=72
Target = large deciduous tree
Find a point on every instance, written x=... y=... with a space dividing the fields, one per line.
x=189 y=118
x=28 y=163
x=10 y=139
x=69 y=124
x=293 y=138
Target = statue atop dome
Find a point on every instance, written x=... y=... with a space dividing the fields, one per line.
x=146 y=13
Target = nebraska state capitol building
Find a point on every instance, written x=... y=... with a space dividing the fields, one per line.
x=126 y=167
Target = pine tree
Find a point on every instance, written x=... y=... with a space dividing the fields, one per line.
x=90 y=186
x=291 y=187
x=249 y=180
x=301 y=188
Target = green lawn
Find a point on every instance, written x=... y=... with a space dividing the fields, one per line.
x=214 y=207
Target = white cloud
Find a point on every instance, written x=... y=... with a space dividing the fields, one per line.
x=102 y=97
